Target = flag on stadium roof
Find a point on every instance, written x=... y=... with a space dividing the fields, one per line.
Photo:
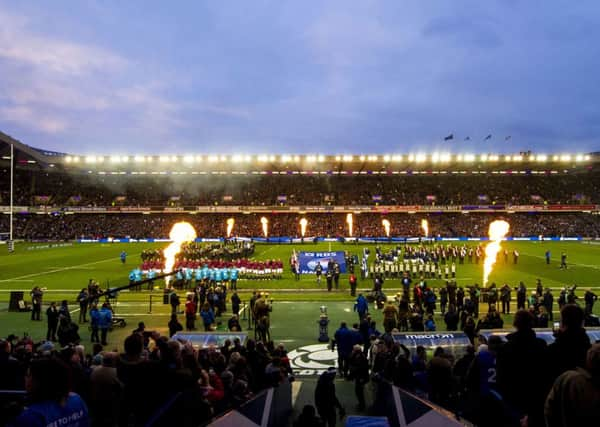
x=449 y=137
x=507 y=138
x=468 y=138
x=488 y=137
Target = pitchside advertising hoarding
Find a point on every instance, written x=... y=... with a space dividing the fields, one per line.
x=309 y=260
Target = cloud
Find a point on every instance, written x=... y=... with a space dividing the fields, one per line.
x=29 y=117
x=18 y=43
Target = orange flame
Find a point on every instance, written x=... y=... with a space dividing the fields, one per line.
x=180 y=233
x=349 y=222
x=497 y=231
x=265 y=225
x=425 y=227
x=230 y=223
x=303 y=223
x=386 y=226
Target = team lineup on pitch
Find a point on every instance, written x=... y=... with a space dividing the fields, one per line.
x=64 y=270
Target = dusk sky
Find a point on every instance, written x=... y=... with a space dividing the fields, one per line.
x=154 y=77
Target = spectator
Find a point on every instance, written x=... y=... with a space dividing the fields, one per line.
x=575 y=396
x=105 y=392
x=359 y=372
x=308 y=417
x=48 y=387
x=522 y=370
x=326 y=399
x=570 y=347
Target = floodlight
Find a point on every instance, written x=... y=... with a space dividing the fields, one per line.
x=321 y=158
x=420 y=158
x=361 y=158
x=213 y=159
x=483 y=158
x=286 y=158
x=310 y=159
x=541 y=157
x=387 y=158
x=565 y=158
x=587 y=157
x=373 y=158
x=164 y=159
x=459 y=158
x=338 y=158
x=555 y=158
x=508 y=158
x=188 y=159
x=90 y=159
x=579 y=158
x=68 y=159
x=296 y=158
x=517 y=158
x=76 y=159
x=396 y=157
x=411 y=157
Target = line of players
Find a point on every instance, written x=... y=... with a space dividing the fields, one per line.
x=215 y=273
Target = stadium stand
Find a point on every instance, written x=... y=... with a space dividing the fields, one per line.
x=518 y=380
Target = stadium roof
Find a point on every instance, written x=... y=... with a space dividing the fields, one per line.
x=293 y=162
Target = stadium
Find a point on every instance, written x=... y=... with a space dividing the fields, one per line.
x=74 y=216
x=299 y=214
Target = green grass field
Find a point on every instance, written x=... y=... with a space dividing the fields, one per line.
x=65 y=270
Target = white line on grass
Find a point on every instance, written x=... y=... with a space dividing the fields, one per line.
x=595 y=267
x=73 y=267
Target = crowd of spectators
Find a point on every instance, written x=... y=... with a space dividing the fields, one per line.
x=154 y=381
x=515 y=381
x=90 y=226
x=57 y=188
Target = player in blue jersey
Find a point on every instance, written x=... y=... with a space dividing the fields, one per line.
x=233 y=276
x=123 y=257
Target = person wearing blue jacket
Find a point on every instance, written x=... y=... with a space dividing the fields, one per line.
x=104 y=322
x=361 y=306
x=344 y=340
x=94 y=323
x=208 y=316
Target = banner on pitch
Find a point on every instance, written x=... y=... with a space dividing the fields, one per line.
x=309 y=260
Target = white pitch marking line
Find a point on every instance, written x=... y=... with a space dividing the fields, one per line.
x=595 y=267
x=62 y=269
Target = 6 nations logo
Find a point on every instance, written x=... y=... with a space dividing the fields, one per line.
x=312 y=359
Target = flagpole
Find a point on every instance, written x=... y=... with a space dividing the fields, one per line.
x=12 y=167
